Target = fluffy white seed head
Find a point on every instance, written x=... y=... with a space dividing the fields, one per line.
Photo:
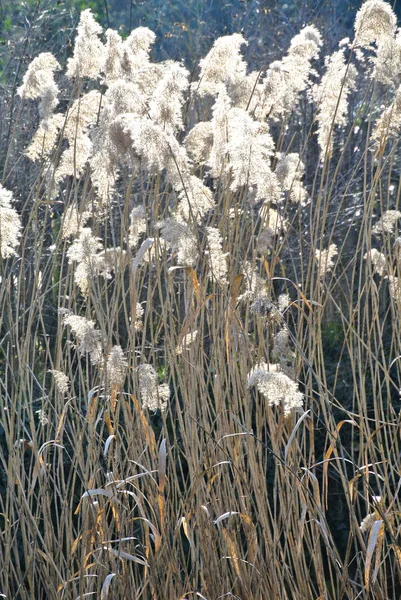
x=278 y=94
x=39 y=76
x=61 y=381
x=153 y=396
x=89 y=52
x=45 y=138
x=116 y=367
x=216 y=257
x=275 y=386
x=374 y=21
x=74 y=220
x=222 y=67
x=289 y=172
x=186 y=342
x=10 y=224
x=325 y=260
x=378 y=261
x=165 y=106
x=389 y=123
x=86 y=252
x=87 y=336
x=331 y=97
x=137 y=226
x=387 y=222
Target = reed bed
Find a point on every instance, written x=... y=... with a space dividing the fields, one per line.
x=199 y=322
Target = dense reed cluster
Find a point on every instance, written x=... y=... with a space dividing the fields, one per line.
x=200 y=296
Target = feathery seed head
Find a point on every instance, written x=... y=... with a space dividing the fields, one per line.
x=153 y=397
x=39 y=76
x=325 y=260
x=10 y=224
x=374 y=21
x=378 y=261
x=275 y=386
x=88 y=338
x=89 y=52
x=116 y=367
x=61 y=381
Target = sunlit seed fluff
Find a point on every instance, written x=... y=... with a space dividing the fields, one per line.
x=161 y=151
x=395 y=288
x=139 y=312
x=389 y=123
x=83 y=114
x=331 y=97
x=325 y=260
x=123 y=97
x=45 y=138
x=276 y=387
x=255 y=286
x=185 y=343
x=111 y=260
x=85 y=250
x=273 y=220
x=61 y=381
x=199 y=142
x=286 y=79
x=137 y=226
x=374 y=21
x=195 y=198
x=89 y=52
x=88 y=338
x=378 y=261
x=387 y=63
x=153 y=397
x=104 y=169
x=181 y=240
x=10 y=224
x=74 y=220
x=222 y=66
x=129 y=59
x=289 y=172
x=116 y=367
x=114 y=52
x=241 y=150
x=218 y=153
x=367 y=523
x=139 y=42
x=283 y=302
x=268 y=190
x=148 y=140
x=39 y=83
x=74 y=158
x=39 y=76
x=165 y=105
x=48 y=101
x=216 y=257
x=387 y=222
x=248 y=148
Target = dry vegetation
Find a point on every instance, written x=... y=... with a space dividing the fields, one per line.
x=199 y=308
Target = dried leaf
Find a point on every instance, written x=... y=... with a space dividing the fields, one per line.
x=374 y=545
x=162 y=480
x=327 y=456
x=192 y=275
x=106 y=586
